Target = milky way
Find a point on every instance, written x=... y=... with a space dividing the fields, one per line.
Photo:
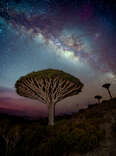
x=75 y=36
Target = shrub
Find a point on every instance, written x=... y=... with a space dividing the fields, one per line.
x=80 y=138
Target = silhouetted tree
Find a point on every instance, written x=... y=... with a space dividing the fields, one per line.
x=107 y=86
x=98 y=97
x=48 y=86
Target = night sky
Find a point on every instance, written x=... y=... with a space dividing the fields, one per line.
x=76 y=36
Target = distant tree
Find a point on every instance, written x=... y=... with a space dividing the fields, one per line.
x=107 y=86
x=98 y=97
x=48 y=86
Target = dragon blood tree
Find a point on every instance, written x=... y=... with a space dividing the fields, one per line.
x=48 y=86
x=98 y=97
x=107 y=86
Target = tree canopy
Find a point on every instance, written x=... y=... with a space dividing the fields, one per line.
x=48 y=86
x=30 y=84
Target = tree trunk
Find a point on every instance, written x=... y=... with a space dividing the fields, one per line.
x=51 y=113
x=110 y=94
x=98 y=101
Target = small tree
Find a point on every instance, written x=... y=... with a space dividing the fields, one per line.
x=48 y=86
x=107 y=86
x=98 y=97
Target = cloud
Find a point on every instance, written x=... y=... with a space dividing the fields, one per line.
x=3 y=89
x=8 y=92
x=11 y=101
x=26 y=107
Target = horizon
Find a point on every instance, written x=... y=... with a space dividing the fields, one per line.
x=77 y=37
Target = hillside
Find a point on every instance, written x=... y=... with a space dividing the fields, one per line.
x=90 y=132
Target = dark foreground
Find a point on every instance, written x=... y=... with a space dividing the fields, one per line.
x=90 y=132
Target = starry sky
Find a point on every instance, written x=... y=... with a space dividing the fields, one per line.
x=76 y=36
